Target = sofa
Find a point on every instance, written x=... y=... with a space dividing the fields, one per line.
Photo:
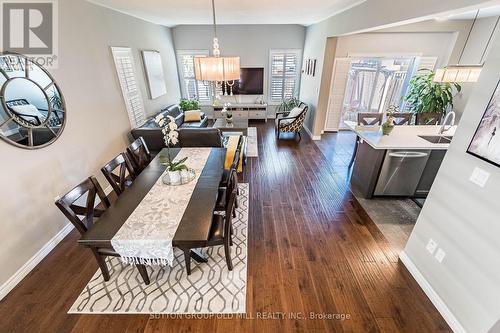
x=152 y=134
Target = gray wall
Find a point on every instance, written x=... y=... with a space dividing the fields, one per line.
x=251 y=42
x=464 y=220
x=95 y=132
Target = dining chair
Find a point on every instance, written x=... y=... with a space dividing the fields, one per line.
x=72 y=210
x=428 y=118
x=225 y=191
x=402 y=118
x=221 y=231
x=234 y=165
x=139 y=155
x=365 y=119
x=125 y=175
x=370 y=118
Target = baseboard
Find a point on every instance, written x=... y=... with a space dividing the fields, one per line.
x=35 y=260
x=440 y=305
x=313 y=137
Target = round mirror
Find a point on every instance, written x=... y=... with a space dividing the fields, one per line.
x=32 y=108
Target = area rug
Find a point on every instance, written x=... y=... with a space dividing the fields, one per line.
x=211 y=287
x=252 y=148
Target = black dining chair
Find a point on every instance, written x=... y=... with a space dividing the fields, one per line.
x=221 y=231
x=428 y=118
x=365 y=119
x=234 y=165
x=402 y=118
x=68 y=206
x=139 y=155
x=125 y=175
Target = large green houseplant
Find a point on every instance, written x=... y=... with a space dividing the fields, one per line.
x=425 y=95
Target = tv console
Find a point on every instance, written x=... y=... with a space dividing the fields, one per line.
x=243 y=111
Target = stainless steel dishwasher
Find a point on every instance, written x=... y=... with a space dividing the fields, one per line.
x=401 y=172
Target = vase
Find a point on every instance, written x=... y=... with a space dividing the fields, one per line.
x=229 y=120
x=174 y=177
x=388 y=126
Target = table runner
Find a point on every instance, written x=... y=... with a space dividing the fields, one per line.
x=146 y=236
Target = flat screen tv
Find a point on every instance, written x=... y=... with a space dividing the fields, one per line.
x=251 y=82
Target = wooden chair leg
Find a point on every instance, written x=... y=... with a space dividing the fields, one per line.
x=102 y=264
x=227 y=251
x=231 y=232
x=354 y=153
x=144 y=273
x=187 y=259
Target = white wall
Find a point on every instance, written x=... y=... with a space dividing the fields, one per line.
x=438 y=44
x=464 y=220
x=95 y=132
x=251 y=42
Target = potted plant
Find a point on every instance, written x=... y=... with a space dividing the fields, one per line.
x=189 y=104
x=171 y=137
x=425 y=95
x=388 y=125
x=227 y=113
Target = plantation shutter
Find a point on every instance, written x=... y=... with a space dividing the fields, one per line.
x=284 y=74
x=427 y=63
x=192 y=88
x=124 y=63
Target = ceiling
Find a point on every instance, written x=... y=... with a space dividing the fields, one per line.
x=469 y=15
x=176 y=12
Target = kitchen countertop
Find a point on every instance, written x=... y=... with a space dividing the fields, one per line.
x=402 y=137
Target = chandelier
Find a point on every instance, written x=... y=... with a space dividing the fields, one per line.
x=217 y=70
x=464 y=73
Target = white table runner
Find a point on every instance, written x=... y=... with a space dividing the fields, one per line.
x=146 y=236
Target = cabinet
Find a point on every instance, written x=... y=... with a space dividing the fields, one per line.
x=244 y=111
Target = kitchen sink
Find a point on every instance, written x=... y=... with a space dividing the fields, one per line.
x=437 y=138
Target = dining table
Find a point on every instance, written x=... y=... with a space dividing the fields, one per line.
x=193 y=229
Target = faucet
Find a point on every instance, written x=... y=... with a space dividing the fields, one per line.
x=443 y=128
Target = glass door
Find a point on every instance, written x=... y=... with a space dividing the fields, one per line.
x=374 y=84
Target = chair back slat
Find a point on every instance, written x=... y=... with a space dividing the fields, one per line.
x=369 y=118
x=125 y=172
x=428 y=118
x=402 y=118
x=139 y=155
x=72 y=211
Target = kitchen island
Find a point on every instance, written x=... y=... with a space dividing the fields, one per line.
x=402 y=164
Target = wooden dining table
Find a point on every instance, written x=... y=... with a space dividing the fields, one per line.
x=194 y=227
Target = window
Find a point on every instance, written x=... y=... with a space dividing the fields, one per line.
x=284 y=74
x=124 y=63
x=190 y=87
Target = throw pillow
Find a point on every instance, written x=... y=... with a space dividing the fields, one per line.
x=295 y=112
x=192 y=116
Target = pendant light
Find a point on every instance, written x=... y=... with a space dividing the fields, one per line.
x=464 y=73
x=216 y=69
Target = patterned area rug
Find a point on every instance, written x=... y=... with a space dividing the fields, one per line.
x=211 y=287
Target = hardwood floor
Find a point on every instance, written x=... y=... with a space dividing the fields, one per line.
x=312 y=249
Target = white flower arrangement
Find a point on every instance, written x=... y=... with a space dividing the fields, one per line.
x=171 y=137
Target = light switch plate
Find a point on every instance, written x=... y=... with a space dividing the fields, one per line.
x=479 y=177
x=440 y=254
x=431 y=246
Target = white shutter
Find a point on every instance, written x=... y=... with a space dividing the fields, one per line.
x=284 y=74
x=341 y=67
x=192 y=88
x=124 y=63
x=426 y=63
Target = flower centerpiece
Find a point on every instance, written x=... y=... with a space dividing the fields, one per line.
x=388 y=125
x=171 y=138
x=227 y=113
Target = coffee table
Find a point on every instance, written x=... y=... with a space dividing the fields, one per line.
x=238 y=125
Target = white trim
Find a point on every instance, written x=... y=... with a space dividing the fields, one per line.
x=440 y=305
x=313 y=137
x=35 y=260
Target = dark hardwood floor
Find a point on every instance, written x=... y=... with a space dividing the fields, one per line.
x=312 y=249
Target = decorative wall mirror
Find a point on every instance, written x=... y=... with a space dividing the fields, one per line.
x=32 y=108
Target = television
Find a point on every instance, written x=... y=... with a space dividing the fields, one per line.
x=251 y=82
